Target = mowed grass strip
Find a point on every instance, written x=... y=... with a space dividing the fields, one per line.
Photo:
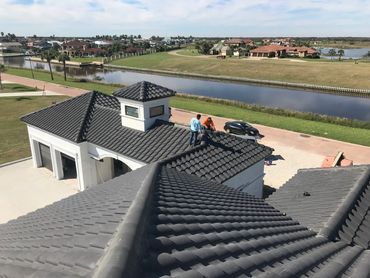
x=337 y=74
x=16 y=88
x=14 y=142
x=59 y=79
x=327 y=130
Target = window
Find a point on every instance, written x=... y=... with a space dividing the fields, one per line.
x=156 y=111
x=132 y=111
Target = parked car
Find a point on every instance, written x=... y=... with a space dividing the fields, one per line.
x=242 y=128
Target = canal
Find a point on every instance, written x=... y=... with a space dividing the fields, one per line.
x=294 y=99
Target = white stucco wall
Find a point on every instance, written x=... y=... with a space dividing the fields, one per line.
x=85 y=155
x=57 y=145
x=143 y=122
x=250 y=180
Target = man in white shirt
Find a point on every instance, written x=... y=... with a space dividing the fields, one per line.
x=195 y=127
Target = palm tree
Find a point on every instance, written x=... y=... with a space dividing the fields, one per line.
x=340 y=53
x=63 y=57
x=332 y=53
x=48 y=55
x=2 y=69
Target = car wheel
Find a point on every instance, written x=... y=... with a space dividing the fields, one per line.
x=227 y=130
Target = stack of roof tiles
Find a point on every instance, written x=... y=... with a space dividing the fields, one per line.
x=159 y=222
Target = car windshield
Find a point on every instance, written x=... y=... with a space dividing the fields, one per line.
x=245 y=125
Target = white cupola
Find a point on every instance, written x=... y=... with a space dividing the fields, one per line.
x=143 y=103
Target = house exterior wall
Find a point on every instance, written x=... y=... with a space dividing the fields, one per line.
x=143 y=121
x=58 y=145
x=250 y=180
x=85 y=155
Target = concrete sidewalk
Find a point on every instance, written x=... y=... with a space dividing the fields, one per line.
x=47 y=86
x=29 y=94
x=25 y=188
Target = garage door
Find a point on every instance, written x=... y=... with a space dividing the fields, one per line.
x=46 y=157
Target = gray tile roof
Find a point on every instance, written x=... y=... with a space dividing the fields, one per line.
x=102 y=126
x=70 y=118
x=158 y=222
x=220 y=158
x=144 y=91
x=334 y=202
x=69 y=237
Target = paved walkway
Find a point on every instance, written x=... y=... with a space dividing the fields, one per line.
x=29 y=94
x=25 y=188
x=295 y=150
x=51 y=87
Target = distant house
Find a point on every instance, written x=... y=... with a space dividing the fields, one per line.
x=269 y=51
x=239 y=42
x=10 y=47
x=101 y=43
x=226 y=51
x=216 y=49
x=302 y=52
x=93 y=52
x=96 y=137
x=74 y=47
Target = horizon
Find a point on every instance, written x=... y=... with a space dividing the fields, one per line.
x=207 y=18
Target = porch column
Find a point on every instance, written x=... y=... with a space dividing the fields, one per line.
x=35 y=151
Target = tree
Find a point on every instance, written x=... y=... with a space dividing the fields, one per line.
x=340 y=53
x=2 y=69
x=63 y=57
x=49 y=55
x=2 y=34
x=332 y=53
x=203 y=47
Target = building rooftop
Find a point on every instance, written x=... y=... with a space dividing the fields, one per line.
x=95 y=117
x=333 y=202
x=144 y=91
x=159 y=222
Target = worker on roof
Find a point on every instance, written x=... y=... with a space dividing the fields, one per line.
x=208 y=124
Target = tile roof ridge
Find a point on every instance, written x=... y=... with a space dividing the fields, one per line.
x=338 y=218
x=120 y=259
x=179 y=155
x=84 y=124
x=364 y=166
x=53 y=105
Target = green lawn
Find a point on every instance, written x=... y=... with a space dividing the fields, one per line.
x=13 y=136
x=189 y=51
x=15 y=88
x=342 y=74
x=86 y=59
x=341 y=133
x=58 y=79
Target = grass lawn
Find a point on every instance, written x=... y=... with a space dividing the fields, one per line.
x=337 y=132
x=342 y=74
x=189 y=51
x=58 y=79
x=13 y=136
x=86 y=59
x=15 y=88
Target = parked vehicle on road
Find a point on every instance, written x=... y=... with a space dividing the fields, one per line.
x=242 y=128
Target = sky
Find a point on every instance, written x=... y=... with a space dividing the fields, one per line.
x=209 y=18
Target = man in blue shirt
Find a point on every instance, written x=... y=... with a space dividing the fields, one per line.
x=195 y=127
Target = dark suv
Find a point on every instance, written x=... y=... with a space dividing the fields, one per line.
x=241 y=128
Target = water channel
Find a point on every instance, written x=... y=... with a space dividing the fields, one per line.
x=294 y=99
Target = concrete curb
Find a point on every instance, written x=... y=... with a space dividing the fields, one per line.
x=15 y=161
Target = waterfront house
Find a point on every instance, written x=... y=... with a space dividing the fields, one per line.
x=269 y=51
x=96 y=137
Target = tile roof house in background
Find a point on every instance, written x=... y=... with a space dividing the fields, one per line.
x=95 y=137
x=334 y=202
x=159 y=222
